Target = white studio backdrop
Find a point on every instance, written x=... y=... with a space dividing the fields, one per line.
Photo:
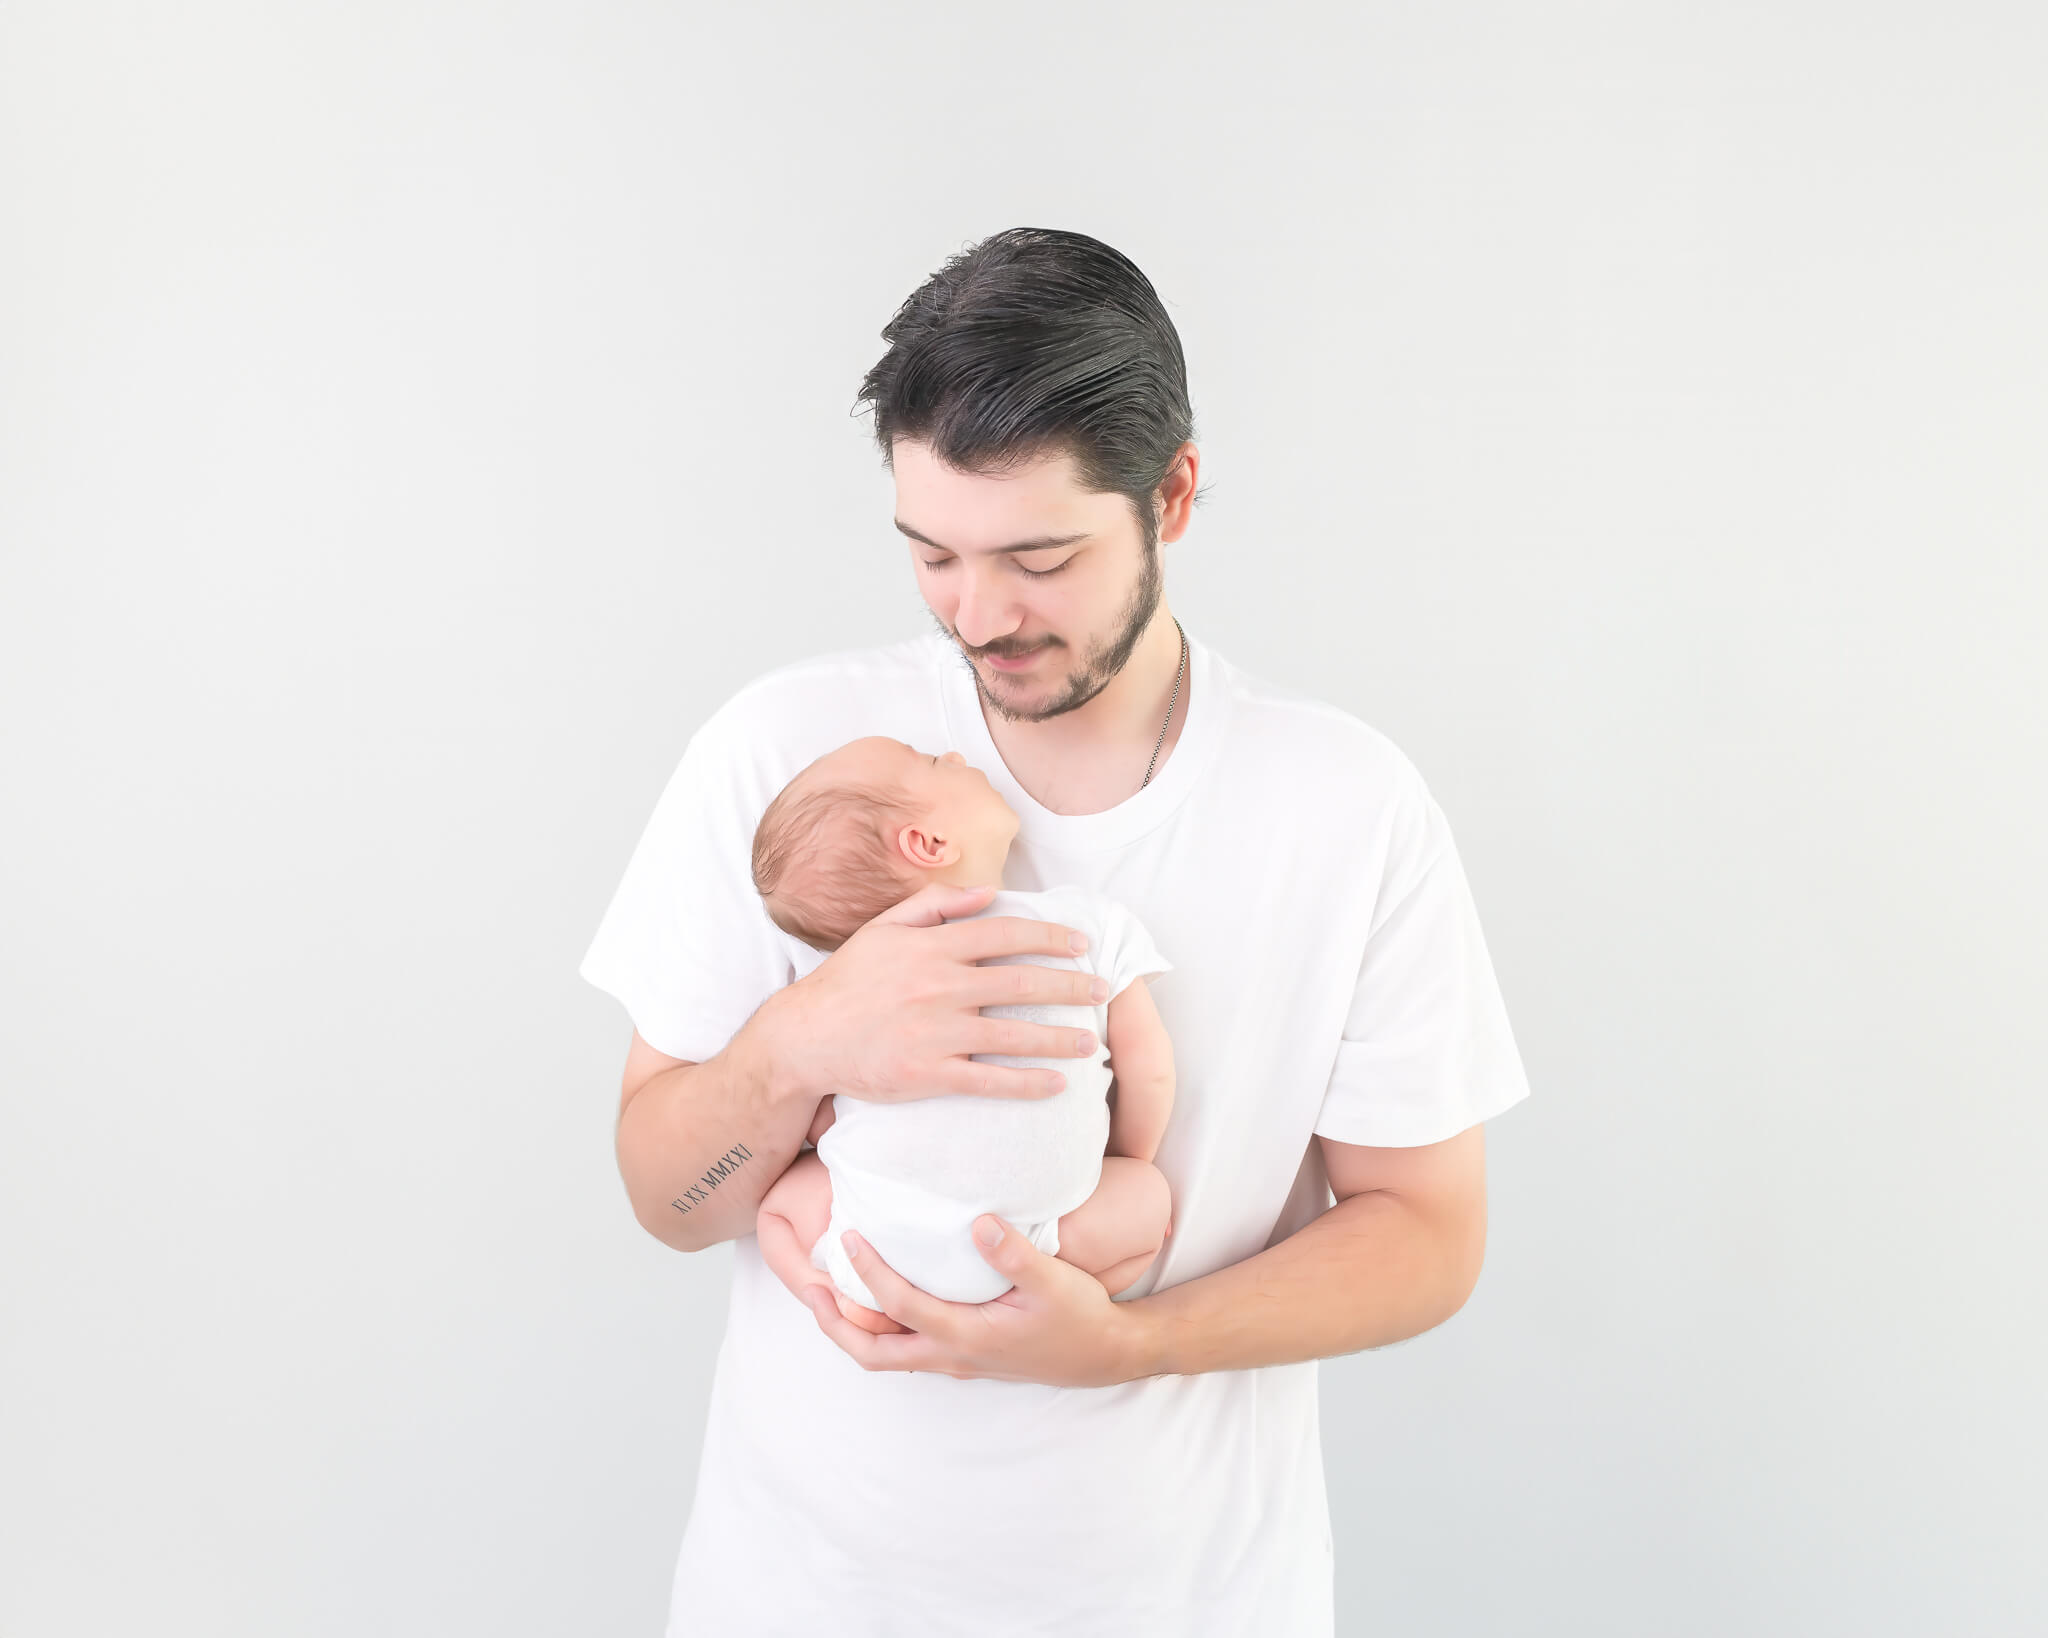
x=414 y=419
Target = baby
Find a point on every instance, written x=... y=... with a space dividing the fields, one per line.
x=860 y=830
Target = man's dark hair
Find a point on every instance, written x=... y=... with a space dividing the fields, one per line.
x=1038 y=342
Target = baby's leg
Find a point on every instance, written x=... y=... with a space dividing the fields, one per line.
x=793 y=1213
x=1117 y=1231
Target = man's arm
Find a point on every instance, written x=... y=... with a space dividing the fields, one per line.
x=699 y=1144
x=1397 y=1254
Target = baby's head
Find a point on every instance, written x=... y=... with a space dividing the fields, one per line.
x=865 y=826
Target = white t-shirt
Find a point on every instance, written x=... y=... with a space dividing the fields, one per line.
x=912 y=1177
x=1329 y=978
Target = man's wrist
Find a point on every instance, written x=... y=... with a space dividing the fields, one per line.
x=1144 y=1347
x=772 y=1072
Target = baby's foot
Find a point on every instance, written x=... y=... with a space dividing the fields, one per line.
x=868 y=1319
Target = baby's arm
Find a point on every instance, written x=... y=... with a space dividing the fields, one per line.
x=1141 y=1059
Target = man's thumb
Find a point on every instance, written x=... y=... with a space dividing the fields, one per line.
x=934 y=902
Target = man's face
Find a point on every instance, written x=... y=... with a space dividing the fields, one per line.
x=1072 y=610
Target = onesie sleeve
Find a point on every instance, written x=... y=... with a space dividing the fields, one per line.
x=1426 y=1049
x=686 y=945
x=1131 y=954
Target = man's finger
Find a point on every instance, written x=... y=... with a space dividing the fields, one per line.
x=980 y=937
x=1007 y=1251
x=904 y=1352
x=900 y=1300
x=935 y=901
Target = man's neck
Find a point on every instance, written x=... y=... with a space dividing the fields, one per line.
x=1091 y=758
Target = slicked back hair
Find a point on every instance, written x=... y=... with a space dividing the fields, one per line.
x=1038 y=342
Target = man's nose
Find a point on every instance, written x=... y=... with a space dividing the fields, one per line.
x=981 y=614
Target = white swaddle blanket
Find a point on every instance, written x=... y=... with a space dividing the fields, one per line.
x=910 y=1178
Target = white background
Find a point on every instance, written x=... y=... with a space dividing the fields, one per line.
x=415 y=419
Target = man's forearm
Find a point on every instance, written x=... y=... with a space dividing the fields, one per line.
x=1369 y=1271
x=700 y=1144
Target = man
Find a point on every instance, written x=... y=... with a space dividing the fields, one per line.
x=1058 y=1461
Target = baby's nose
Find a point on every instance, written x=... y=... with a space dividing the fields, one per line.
x=954 y=756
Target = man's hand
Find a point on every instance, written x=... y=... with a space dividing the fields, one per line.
x=895 y=1012
x=1057 y=1325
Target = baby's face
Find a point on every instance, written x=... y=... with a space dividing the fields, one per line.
x=955 y=797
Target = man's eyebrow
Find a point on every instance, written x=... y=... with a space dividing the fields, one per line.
x=1037 y=545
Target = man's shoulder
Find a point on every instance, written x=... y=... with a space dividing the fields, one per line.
x=1294 y=732
x=910 y=660
x=795 y=691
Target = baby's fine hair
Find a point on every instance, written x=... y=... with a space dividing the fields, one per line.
x=823 y=863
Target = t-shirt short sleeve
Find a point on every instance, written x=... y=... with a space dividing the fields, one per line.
x=1129 y=953
x=1426 y=1050
x=687 y=945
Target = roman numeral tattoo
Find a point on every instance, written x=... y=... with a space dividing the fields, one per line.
x=701 y=1190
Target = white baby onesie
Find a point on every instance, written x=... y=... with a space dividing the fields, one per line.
x=910 y=1178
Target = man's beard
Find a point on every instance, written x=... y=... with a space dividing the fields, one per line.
x=1099 y=665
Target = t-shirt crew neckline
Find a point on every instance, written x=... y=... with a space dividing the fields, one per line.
x=1205 y=700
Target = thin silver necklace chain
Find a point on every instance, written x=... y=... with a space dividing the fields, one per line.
x=1170 y=700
